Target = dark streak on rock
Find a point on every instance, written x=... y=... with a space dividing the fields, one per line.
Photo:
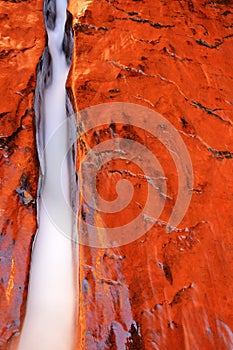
x=88 y=29
x=209 y=111
x=11 y=137
x=141 y=20
x=184 y=123
x=3 y=114
x=206 y=109
x=221 y=154
x=135 y=341
x=204 y=43
x=190 y=6
x=226 y=13
x=178 y=296
x=224 y=2
x=4 y=53
x=130 y=13
x=228 y=36
x=219 y=2
x=114 y=91
x=156 y=25
x=167 y=273
x=15 y=1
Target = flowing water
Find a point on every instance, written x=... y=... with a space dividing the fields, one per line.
x=50 y=314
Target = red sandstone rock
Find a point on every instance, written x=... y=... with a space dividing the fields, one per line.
x=164 y=290
x=22 y=43
x=167 y=290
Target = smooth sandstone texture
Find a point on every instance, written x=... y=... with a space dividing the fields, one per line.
x=164 y=290
x=22 y=42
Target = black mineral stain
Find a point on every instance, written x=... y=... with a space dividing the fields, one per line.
x=135 y=341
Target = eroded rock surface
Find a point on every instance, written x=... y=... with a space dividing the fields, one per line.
x=166 y=290
x=22 y=43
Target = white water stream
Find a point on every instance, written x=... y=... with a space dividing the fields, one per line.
x=50 y=314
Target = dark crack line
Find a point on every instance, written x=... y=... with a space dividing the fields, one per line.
x=138 y=19
x=210 y=111
x=86 y=28
x=194 y=103
x=156 y=25
x=217 y=42
x=130 y=13
x=3 y=114
x=219 y=154
x=206 y=44
x=5 y=53
x=5 y=140
x=228 y=36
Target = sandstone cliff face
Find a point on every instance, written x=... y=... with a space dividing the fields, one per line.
x=165 y=290
x=22 y=43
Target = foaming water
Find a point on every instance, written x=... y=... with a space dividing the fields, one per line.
x=50 y=315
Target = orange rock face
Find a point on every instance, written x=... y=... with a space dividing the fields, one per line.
x=22 y=43
x=165 y=290
x=168 y=289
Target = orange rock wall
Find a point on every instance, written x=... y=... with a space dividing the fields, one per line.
x=165 y=290
x=22 y=42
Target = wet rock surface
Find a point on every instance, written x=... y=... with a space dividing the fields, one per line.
x=22 y=43
x=165 y=290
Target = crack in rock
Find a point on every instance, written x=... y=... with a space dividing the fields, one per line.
x=206 y=44
x=156 y=25
x=219 y=154
x=210 y=111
